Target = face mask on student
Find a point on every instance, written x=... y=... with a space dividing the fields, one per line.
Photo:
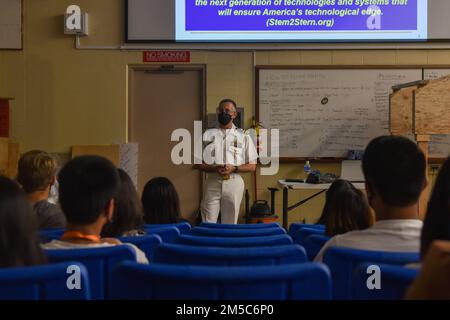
x=224 y=118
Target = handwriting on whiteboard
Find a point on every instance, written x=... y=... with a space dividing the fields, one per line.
x=325 y=113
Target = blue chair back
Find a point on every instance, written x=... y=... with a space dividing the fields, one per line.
x=183 y=227
x=239 y=226
x=175 y=282
x=215 y=232
x=220 y=256
x=167 y=234
x=98 y=261
x=303 y=233
x=313 y=244
x=234 y=241
x=343 y=261
x=44 y=282
x=48 y=235
x=295 y=226
x=394 y=281
x=147 y=243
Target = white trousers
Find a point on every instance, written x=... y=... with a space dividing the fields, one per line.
x=222 y=196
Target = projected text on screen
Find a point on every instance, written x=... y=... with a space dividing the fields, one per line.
x=300 y=20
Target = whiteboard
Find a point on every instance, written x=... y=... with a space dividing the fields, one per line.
x=326 y=112
x=439 y=144
x=10 y=24
x=430 y=74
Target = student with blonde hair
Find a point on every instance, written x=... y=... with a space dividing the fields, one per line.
x=37 y=174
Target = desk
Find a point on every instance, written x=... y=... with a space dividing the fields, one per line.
x=321 y=187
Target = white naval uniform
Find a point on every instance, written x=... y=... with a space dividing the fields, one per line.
x=221 y=195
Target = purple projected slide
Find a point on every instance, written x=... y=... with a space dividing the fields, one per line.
x=301 y=15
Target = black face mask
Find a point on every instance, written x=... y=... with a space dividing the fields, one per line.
x=224 y=118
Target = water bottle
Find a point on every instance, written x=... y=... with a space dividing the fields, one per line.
x=307 y=170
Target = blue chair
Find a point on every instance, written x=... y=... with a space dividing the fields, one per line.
x=48 y=235
x=313 y=244
x=44 y=282
x=175 y=282
x=167 y=234
x=239 y=226
x=394 y=281
x=303 y=233
x=295 y=226
x=343 y=261
x=98 y=261
x=147 y=243
x=183 y=227
x=220 y=256
x=214 y=232
x=234 y=241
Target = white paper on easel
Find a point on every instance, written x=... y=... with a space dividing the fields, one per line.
x=129 y=160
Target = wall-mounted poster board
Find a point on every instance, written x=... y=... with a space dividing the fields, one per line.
x=124 y=155
x=11 y=24
x=440 y=143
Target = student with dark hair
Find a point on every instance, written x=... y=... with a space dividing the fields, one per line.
x=346 y=209
x=19 y=241
x=88 y=186
x=394 y=170
x=37 y=175
x=128 y=218
x=160 y=202
x=437 y=220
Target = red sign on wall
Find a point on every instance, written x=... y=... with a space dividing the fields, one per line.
x=167 y=56
x=4 y=118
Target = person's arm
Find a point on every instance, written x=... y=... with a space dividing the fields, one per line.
x=251 y=158
x=228 y=169
x=207 y=167
x=248 y=167
x=433 y=282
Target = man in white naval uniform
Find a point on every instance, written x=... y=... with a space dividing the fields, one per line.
x=229 y=152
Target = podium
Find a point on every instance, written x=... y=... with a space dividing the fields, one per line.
x=9 y=152
x=421 y=108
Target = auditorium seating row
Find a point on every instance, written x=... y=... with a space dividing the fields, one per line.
x=213 y=262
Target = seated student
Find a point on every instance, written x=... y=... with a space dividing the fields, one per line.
x=128 y=217
x=19 y=241
x=437 y=220
x=160 y=202
x=346 y=209
x=88 y=186
x=433 y=282
x=36 y=174
x=394 y=170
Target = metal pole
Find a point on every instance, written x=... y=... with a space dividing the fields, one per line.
x=285 y=207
